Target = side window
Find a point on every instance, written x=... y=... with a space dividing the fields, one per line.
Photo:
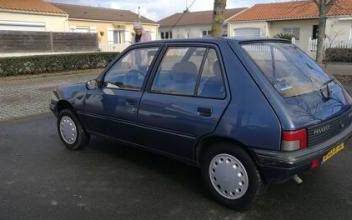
x=130 y=71
x=211 y=83
x=178 y=71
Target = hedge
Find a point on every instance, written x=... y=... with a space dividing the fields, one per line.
x=11 y=66
x=338 y=55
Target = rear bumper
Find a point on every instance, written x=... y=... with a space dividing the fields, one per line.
x=277 y=166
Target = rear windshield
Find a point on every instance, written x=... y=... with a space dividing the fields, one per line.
x=289 y=70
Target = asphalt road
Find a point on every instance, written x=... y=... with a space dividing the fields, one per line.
x=40 y=179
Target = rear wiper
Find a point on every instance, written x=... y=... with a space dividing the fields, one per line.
x=327 y=83
x=327 y=93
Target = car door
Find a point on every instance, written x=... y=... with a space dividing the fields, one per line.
x=184 y=100
x=112 y=109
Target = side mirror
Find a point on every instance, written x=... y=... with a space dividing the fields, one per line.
x=92 y=84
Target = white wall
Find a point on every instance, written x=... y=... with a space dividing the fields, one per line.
x=56 y=23
x=305 y=33
x=339 y=29
x=181 y=32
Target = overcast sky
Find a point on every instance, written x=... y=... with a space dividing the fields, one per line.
x=157 y=9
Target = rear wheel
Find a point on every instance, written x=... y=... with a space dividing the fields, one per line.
x=230 y=175
x=71 y=131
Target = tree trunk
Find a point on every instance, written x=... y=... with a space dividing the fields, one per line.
x=218 y=18
x=321 y=34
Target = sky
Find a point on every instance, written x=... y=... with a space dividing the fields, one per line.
x=158 y=9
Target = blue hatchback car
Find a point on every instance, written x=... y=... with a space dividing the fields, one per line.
x=247 y=112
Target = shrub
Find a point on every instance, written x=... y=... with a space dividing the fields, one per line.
x=11 y=66
x=338 y=55
x=286 y=36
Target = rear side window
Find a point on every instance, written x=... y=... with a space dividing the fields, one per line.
x=290 y=71
x=179 y=70
x=211 y=83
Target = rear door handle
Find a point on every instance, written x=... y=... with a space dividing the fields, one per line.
x=204 y=111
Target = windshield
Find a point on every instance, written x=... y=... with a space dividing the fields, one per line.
x=289 y=70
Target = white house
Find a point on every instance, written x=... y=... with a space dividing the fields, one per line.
x=114 y=27
x=32 y=15
x=191 y=24
x=299 y=18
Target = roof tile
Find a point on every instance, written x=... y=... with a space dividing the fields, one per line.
x=38 y=6
x=195 y=18
x=292 y=10
x=98 y=13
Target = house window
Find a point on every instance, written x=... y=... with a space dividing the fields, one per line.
x=116 y=36
x=205 y=33
x=292 y=30
x=166 y=35
x=315 y=31
x=119 y=37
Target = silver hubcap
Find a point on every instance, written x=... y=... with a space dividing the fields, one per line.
x=228 y=176
x=68 y=130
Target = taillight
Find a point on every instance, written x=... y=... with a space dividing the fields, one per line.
x=294 y=140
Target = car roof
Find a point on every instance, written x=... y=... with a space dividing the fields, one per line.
x=216 y=40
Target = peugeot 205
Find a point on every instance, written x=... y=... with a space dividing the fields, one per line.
x=246 y=112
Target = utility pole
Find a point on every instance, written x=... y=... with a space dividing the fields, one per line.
x=218 y=18
x=139 y=14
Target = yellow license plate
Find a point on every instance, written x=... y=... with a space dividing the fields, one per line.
x=333 y=152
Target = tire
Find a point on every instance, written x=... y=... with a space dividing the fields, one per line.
x=237 y=191
x=67 y=121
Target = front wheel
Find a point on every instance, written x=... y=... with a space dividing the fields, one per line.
x=230 y=175
x=71 y=131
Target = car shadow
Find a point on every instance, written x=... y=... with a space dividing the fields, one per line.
x=322 y=192
x=176 y=171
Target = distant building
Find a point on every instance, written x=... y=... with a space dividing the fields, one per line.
x=32 y=15
x=113 y=26
x=299 y=18
x=192 y=24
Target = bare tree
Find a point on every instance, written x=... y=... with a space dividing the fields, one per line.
x=323 y=6
x=218 y=18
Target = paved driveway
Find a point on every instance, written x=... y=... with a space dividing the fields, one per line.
x=23 y=96
x=40 y=179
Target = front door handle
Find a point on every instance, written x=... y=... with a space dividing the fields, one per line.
x=130 y=101
x=204 y=111
x=131 y=104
